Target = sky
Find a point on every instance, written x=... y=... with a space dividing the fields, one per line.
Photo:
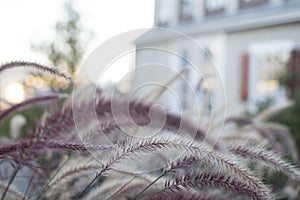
x=23 y=22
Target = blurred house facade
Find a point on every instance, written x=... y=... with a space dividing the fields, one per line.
x=249 y=42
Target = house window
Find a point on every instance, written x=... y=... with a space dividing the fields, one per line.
x=270 y=66
x=185 y=10
x=205 y=94
x=251 y=3
x=214 y=7
x=266 y=61
x=206 y=87
x=184 y=88
x=162 y=13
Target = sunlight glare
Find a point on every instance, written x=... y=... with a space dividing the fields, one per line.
x=14 y=93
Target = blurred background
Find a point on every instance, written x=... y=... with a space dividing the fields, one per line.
x=253 y=44
x=250 y=47
x=60 y=33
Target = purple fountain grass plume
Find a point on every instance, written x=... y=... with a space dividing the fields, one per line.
x=248 y=121
x=270 y=131
x=139 y=113
x=261 y=128
x=33 y=146
x=242 y=120
x=71 y=118
x=59 y=125
x=213 y=180
x=106 y=133
x=33 y=65
x=64 y=146
x=235 y=169
x=231 y=166
x=107 y=128
x=188 y=162
x=127 y=148
x=244 y=139
x=7 y=149
x=272 y=159
x=30 y=102
x=48 y=130
x=194 y=165
x=224 y=164
x=131 y=147
x=281 y=132
x=56 y=125
x=82 y=125
x=269 y=136
x=179 y=194
x=275 y=137
x=132 y=113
